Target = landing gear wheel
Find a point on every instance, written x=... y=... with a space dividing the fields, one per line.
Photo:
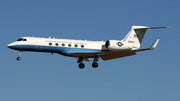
x=81 y=65
x=18 y=58
x=19 y=55
x=95 y=65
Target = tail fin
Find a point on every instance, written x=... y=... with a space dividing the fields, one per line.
x=136 y=35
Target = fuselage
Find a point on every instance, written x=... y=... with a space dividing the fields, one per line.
x=61 y=46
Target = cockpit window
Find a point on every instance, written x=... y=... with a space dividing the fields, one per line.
x=21 y=39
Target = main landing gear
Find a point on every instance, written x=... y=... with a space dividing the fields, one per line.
x=95 y=65
x=19 y=55
x=81 y=64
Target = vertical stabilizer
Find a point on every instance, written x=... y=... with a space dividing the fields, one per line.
x=136 y=35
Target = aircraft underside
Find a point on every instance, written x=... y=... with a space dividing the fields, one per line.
x=61 y=51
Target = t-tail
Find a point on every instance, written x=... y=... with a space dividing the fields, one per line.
x=136 y=35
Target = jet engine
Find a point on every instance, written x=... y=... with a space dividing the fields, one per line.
x=117 y=45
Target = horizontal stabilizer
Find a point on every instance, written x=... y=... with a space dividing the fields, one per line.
x=146 y=28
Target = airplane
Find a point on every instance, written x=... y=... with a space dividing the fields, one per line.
x=83 y=49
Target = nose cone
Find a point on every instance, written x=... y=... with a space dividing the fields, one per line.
x=11 y=45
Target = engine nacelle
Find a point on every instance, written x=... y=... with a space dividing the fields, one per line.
x=117 y=45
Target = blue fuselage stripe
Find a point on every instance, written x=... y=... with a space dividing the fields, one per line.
x=60 y=50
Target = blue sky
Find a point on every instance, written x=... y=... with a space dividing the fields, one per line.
x=148 y=76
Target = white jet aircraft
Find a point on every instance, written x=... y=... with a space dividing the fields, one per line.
x=83 y=49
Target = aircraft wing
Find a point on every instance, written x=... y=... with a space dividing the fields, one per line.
x=108 y=55
x=105 y=55
x=114 y=55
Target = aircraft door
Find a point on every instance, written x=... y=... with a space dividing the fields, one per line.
x=38 y=44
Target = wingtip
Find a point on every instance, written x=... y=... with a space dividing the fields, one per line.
x=168 y=27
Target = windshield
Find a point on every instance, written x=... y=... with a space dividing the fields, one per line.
x=21 y=39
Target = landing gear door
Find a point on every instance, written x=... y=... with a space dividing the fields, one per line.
x=38 y=45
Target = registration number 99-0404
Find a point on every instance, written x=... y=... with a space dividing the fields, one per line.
x=130 y=41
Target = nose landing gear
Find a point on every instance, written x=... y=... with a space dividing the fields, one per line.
x=19 y=55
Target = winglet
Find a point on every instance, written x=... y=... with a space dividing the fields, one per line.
x=153 y=46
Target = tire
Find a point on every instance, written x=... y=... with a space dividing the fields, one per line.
x=95 y=65
x=81 y=65
x=18 y=58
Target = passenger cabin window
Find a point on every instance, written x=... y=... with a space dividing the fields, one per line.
x=50 y=44
x=82 y=46
x=75 y=45
x=69 y=45
x=56 y=44
x=63 y=45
